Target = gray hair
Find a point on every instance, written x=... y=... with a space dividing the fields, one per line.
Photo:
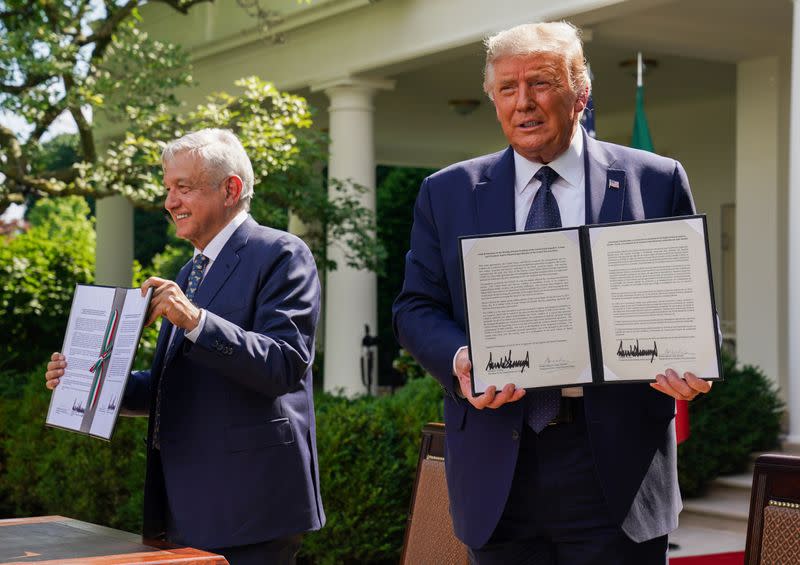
x=222 y=154
x=561 y=38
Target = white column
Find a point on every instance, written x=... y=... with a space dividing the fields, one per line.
x=114 y=229
x=757 y=261
x=793 y=247
x=351 y=295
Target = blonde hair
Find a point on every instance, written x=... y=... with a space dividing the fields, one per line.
x=561 y=38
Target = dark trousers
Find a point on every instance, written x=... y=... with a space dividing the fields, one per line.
x=281 y=551
x=556 y=513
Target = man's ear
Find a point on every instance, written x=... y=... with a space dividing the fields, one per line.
x=233 y=190
x=581 y=101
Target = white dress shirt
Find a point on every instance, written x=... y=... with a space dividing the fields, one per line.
x=212 y=251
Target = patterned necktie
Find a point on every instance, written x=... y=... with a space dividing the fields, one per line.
x=195 y=277
x=542 y=405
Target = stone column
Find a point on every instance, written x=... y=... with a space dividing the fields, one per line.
x=351 y=295
x=114 y=229
x=757 y=202
x=793 y=246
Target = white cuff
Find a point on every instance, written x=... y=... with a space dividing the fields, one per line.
x=460 y=349
x=195 y=333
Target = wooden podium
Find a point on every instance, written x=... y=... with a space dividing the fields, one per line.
x=55 y=540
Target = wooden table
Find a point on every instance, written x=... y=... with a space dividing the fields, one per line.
x=57 y=540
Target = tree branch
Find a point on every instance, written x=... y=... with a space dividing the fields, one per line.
x=182 y=6
x=84 y=127
x=14 y=155
x=102 y=36
x=31 y=82
x=41 y=125
x=86 y=134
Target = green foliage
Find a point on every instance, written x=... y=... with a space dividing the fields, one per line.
x=68 y=57
x=275 y=129
x=38 y=273
x=151 y=237
x=396 y=193
x=406 y=365
x=740 y=415
x=57 y=153
x=52 y=471
x=368 y=449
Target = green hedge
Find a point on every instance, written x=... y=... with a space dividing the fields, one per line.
x=740 y=415
x=52 y=471
x=368 y=450
x=38 y=273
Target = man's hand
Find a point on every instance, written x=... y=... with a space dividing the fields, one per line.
x=685 y=388
x=55 y=370
x=169 y=301
x=490 y=398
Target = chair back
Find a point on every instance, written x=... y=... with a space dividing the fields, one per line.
x=429 y=531
x=773 y=526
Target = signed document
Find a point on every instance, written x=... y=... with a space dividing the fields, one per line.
x=590 y=305
x=103 y=332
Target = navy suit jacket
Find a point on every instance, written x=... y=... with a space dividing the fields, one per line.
x=630 y=426
x=238 y=457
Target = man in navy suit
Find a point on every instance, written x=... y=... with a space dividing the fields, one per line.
x=232 y=459
x=598 y=483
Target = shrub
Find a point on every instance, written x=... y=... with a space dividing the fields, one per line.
x=740 y=415
x=53 y=471
x=38 y=273
x=368 y=449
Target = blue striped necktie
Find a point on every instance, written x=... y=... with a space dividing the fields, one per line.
x=542 y=405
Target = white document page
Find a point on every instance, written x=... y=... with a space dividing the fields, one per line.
x=121 y=362
x=526 y=310
x=654 y=299
x=88 y=319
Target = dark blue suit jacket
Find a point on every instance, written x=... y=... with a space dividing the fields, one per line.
x=238 y=457
x=630 y=426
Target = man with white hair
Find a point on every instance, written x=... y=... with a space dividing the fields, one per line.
x=584 y=476
x=231 y=446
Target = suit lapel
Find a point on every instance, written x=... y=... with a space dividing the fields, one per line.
x=218 y=273
x=224 y=265
x=606 y=186
x=494 y=196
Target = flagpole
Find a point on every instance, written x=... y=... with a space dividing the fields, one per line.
x=641 y=132
x=639 y=69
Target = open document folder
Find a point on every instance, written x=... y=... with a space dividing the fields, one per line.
x=590 y=305
x=103 y=332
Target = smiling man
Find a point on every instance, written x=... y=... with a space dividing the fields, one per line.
x=231 y=446
x=572 y=478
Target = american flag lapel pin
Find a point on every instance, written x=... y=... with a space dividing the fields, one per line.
x=613 y=183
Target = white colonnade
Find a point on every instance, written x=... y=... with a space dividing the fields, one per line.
x=351 y=295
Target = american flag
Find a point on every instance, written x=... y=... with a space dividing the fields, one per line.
x=587 y=119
